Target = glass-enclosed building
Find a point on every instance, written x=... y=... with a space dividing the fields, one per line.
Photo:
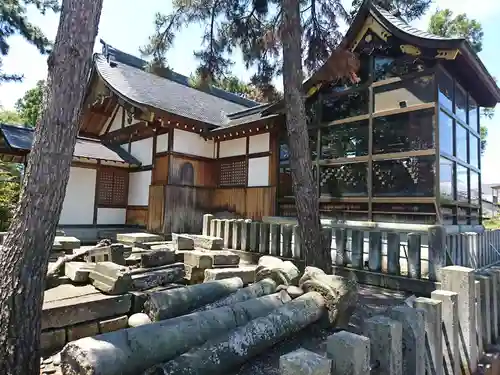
x=403 y=143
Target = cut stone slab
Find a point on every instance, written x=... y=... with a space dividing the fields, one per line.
x=53 y=339
x=156 y=277
x=304 y=362
x=67 y=305
x=67 y=242
x=161 y=244
x=138 y=319
x=208 y=242
x=137 y=238
x=182 y=242
x=57 y=246
x=194 y=275
x=156 y=258
x=246 y=273
x=139 y=297
x=78 y=272
x=111 y=278
x=82 y=330
x=114 y=324
x=207 y=259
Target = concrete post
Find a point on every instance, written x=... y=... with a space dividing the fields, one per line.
x=275 y=230
x=473 y=247
x=220 y=228
x=236 y=237
x=433 y=336
x=228 y=233
x=479 y=318
x=375 y=252
x=340 y=247
x=393 y=243
x=414 y=255
x=437 y=251
x=496 y=271
x=461 y=280
x=449 y=331
x=412 y=321
x=213 y=228
x=207 y=218
x=245 y=235
x=264 y=238
x=304 y=362
x=255 y=236
x=493 y=303
x=484 y=300
x=297 y=246
x=350 y=353
x=287 y=234
x=386 y=337
x=357 y=248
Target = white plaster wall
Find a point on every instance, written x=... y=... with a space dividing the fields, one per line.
x=138 y=188
x=162 y=143
x=192 y=144
x=143 y=150
x=233 y=147
x=78 y=204
x=258 y=171
x=258 y=143
x=111 y=215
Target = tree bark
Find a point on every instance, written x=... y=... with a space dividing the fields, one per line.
x=25 y=254
x=304 y=186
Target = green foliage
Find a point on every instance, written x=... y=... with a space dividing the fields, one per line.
x=10 y=188
x=30 y=105
x=493 y=223
x=10 y=117
x=13 y=21
x=407 y=9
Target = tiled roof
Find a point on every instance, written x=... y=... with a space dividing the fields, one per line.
x=21 y=138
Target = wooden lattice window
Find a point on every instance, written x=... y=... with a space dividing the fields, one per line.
x=233 y=173
x=112 y=187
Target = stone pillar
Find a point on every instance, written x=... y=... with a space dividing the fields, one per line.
x=228 y=233
x=254 y=236
x=433 y=335
x=213 y=228
x=219 y=231
x=461 y=280
x=287 y=234
x=245 y=235
x=473 y=247
x=207 y=219
x=414 y=255
x=275 y=233
x=496 y=300
x=304 y=362
x=340 y=247
x=393 y=243
x=375 y=252
x=485 y=307
x=479 y=320
x=449 y=331
x=350 y=353
x=357 y=248
x=297 y=247
x=236 y=237
x=412 y=321
x=386 y=337
x=264 y=238
x=437 y=251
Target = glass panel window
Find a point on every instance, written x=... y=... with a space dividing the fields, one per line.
x=445 y=133
x=344 y=141
x=387 y=67
x=344 y=180
x=461 y=143
x=403 y=132
x=462 y=184
x=474 y=150
x=404 y=177
x=284 y=153
x=473 y=114
x=446 y=91
x=461 y=104
x=344 y=106
x=404 y=93
x=447 y=179
x=474 y=187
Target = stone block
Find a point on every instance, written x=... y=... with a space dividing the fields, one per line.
x=385 y=336
x=67 y=305
x=182 y=242
x=67 y=242
x=101 y=254
x=245 y=235
x=287 y=235
x=117 y=251
x=153 y=277
x=78 y=272
x=82 y=330
x=304 y=362
x=254 y=236
x=136 y=238
x=228 y=233
x=208 y=242
x=140 y=297
x=219 y=229
x=160 y=245
x=275 y=244
x=246 y=273
x=111 y=278
x=194 y=275
x=113 y=324
x=156 y=258
x=264 y=238
x=236 y=237
x=57 y=246
x=52 y=339
x=433 y=336
x=297 y=246
x=350 y=353
x=207 y=219
x=485 y=307
x=207 y=259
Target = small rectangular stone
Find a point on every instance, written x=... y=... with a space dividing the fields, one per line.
x=297 y=245
x=194 y=274
x=153 y=278
x=182 y=242
x=433 y=338
x=350 y=353
x=207 y=219
x=228 y=233
x=82 y=330
x=53 y=339
x=114 y=324
x=287 y=231
x=254 y=236
x=304 y=362
x=236 y=237
x=156 y=258
x=78 y=272
x=67 y=242
x=111 y=278
x=135 y=238
x=140 y=297
x=386 y=337
x=161 y=244
x=245 y=235
x=264 y=238
x=246 y=273
x=208 y=242
x=275 y=234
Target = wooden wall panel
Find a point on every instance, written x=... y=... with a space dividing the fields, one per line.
x=192 y=171
x=229 y=199
x=260 y=202
x=156 y=208
x=184 y=208
x=160 y=170
x=137 y=215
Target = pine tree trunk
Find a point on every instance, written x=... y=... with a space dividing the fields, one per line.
x=304 y=186
x=25 y=254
